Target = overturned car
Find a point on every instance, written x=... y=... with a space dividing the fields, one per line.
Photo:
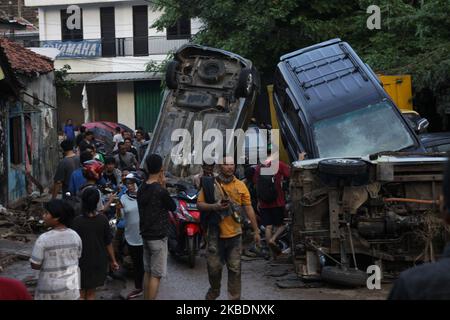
x=207 y=86
x=367 y=194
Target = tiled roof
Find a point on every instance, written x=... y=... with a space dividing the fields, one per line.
x=24 y=61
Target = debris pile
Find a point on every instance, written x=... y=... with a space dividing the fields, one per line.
x=18 y=224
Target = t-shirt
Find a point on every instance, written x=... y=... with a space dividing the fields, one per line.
x=283 y=172
x=77 y=180
x=154 y=204
x=125 y=161
x=64 y=171
x=95 y=234
x=239 y=194
x=85 y=144
x=79 y=138
x=131 y=215
x=116 y=139
x=69 y=131
x=57 y=252
x=11 y=289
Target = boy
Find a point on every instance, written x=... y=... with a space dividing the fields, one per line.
x=56 y=255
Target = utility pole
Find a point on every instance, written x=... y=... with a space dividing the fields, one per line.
x=19 y=8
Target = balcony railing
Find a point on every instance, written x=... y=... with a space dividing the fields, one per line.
x=116 y=47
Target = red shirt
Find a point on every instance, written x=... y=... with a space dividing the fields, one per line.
x=11 y=289
x=284 y=171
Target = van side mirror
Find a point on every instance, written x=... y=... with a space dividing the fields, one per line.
x=422 y=125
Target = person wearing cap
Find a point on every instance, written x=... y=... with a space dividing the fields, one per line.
x=130 y=213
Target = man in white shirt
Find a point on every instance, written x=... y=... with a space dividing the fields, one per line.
x=117 y=138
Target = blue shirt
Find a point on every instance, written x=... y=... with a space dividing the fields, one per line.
x=77 y=180
x=69 y=131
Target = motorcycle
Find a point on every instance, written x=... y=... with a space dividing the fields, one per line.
x=185 y=232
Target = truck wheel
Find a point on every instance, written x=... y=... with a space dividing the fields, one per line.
x=343 y=167
x=211 y=71
x=171 y=74
x=245 y=84
x=344 y=277
x=191 y=252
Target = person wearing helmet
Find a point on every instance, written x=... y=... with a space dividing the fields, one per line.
x=92 y=172
x=130 y=213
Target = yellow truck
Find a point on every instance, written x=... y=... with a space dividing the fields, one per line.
x=399 y=89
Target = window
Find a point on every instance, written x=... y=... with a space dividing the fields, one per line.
x=108 y=31
x=140 y=30
x=15 y=140
x=68 y=34
x=180 y=30
x=295 y=121
x=361 y=132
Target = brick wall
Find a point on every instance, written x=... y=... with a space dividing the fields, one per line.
x=29 y=13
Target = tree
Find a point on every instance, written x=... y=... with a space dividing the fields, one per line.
x=414 y=36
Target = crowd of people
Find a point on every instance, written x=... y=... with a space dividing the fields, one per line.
x=81 y=247
x=92 y=188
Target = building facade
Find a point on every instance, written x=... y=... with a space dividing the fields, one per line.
x=107 y=52
x=28 y=138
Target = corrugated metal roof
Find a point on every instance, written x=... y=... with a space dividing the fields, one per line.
x=95 y=77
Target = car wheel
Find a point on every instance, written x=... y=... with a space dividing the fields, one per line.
x=211 y=71
x=343 y=167
x=344 y=277
x=171 y=74
x=245 y=84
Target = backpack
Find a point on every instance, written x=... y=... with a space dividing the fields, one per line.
x=266 y=188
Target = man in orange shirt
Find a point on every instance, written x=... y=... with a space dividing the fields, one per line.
x=221 y=199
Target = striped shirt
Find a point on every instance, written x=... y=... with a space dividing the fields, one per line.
x=57 y=252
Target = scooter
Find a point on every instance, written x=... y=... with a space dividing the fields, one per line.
x=185 y=232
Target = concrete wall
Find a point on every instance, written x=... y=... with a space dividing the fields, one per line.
x=17 y=9
x=45 y=150
x=125 y=104
x=70 y=107
x=102 y=102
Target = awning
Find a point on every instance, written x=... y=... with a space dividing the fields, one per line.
x=99 y=77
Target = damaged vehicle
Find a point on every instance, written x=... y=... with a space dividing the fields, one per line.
x=206 y=85
x=367 y=194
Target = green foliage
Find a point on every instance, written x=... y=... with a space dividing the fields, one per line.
x=414 y=36
x=61 y=81
x=159 y=67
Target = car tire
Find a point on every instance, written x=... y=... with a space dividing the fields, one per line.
x=343 y=167
x=171 y=74
x=211 y=71
x=344 y=277
x=246 y=83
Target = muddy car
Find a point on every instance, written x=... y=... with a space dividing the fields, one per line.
x=355 y=212
x=368 y=194
x=329 y=103
x=213 y=86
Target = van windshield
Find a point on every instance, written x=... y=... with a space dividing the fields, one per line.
x=365 y=131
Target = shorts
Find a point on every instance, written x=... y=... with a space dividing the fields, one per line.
x=155 y=257
x=272 y=216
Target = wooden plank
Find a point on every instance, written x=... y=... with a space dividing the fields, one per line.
x=425 y=178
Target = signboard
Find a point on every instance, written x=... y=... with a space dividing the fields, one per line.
x=76 y=49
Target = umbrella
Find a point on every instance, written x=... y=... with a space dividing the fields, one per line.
x=104 y=133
